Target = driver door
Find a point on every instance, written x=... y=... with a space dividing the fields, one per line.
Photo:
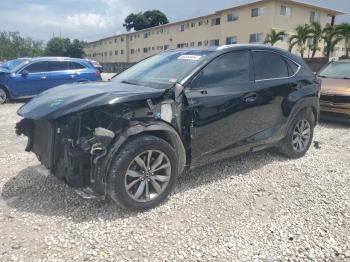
x=223 y=108
x=30 y=80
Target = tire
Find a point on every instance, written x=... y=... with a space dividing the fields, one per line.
x=289 y=146
x=3 y=96
x=128 y=186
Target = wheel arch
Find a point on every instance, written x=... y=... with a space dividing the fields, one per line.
x=158 y=129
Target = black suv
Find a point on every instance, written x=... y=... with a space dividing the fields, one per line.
x=129 y=138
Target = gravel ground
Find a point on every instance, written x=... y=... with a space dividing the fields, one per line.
x=257 y=207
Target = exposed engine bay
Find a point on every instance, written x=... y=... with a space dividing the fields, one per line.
x=78 y=147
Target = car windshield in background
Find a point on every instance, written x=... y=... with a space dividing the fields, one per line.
x=13 y=63
x=161 y=70
x=338 y=70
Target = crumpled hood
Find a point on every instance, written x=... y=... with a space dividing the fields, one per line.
x=70 y=98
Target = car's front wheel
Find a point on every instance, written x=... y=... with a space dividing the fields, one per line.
x=3 y=96
x=299 y=136
x=143 y=173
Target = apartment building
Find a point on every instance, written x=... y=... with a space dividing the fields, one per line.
x=247 y=23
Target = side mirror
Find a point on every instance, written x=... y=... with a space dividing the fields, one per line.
x=24 y=73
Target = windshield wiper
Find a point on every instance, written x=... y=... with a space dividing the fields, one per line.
x=129 y=83
x=348 y=78
x=323 y=76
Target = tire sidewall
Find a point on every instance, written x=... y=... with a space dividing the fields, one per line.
x=121 y=162
x=6 y=98
x=303 y=115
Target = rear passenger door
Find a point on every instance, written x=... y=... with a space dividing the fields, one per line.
x=274 y=83
x=59 y=73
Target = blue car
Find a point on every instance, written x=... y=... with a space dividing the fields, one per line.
x=36 y=75
x=13 y=63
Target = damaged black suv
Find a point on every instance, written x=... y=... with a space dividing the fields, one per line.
x=129 y=138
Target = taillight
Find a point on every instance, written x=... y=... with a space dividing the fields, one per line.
x=98 y=73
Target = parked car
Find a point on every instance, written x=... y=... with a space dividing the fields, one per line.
x=335 y=90
x=13 y=63
x=97 y=65
x=129 y=138
x=36 y=75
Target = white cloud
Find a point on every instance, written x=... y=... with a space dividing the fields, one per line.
x=87 y=20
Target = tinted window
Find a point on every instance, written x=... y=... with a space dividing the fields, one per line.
x=58 y=65
x=292 y=67
x=74 y=65
x=225 y=71
x=37 y=67
x=269 y=65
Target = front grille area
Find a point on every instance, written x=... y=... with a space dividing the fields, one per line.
x=43 y=142
x=336 y=99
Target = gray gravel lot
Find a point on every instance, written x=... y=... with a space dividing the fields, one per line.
x=257 y=207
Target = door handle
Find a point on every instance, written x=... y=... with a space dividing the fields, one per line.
x=250 y=98
x=204 y=92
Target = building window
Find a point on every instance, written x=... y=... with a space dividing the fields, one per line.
x=314 y=16
x=200 y=43
x=132 y=51
x=110 y=53
x=285 y=38
x=192 y=44
x=182 y=45
x=256 y=38
x=122 y=39
x=122 y=52
x=116 y=52
x=131 y=38
x=232 y=17
x=231 y=40
x=152 y=48
x=215 y=42
x=166 y=47
x=193 y=24
x=200 y=23
x=145 y=49
x=215 y=21
x=115 y=40
x=259 y=11
x=286 y=10
x=145 y=35
x=181 y=28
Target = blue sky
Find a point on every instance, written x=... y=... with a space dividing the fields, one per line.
x=93 y=19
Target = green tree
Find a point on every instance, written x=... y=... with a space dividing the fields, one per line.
x=299 y=39
x=273 y=37
x=13 y=45
x=330 y=38
x=145 y=20
x=315 y=32
x=58 y=46
x=344 y=30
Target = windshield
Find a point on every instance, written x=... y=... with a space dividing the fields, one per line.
x=13 y=63
x=339 y=70
x=163 y=69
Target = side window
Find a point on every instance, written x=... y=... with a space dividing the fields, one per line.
x=74 y=65
x=225 y=71
x=292 y=67
x=58 y=65
x=268 y=65
x=37 y=67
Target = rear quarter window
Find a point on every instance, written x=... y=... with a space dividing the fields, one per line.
x=269 y=65
x=74 y=65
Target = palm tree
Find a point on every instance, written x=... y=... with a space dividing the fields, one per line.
x=315 y=31
x=273 y=37
x=299 y=39
x=330 y=38
x=344 y=30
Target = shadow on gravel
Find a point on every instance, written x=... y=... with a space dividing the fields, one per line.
x=33 y=192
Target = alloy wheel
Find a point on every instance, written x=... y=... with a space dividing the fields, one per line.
x=301 y=135
x=3 y=96
x=148 y=175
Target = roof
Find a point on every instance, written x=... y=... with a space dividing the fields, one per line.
x=294 y=2
x=49 y=58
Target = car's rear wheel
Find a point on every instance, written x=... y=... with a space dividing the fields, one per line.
x=299 y=136
x=143 y=173
x=3 y=96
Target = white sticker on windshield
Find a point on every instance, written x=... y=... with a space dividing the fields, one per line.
x=190 y=57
